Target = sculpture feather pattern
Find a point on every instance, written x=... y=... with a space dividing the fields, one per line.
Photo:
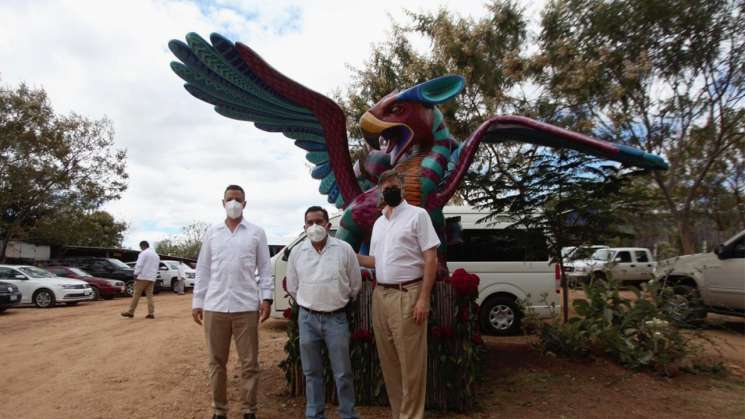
x=404 y=129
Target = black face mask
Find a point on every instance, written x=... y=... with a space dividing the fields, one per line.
x=392 y=196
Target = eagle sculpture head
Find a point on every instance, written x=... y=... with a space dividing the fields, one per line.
x=401 y=123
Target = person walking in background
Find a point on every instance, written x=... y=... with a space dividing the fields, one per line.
x=180 y=279
x=231 y=301
x=403 y=251
x=323 y=276
x=146 y=272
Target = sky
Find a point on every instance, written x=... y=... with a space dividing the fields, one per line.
x=105 y=58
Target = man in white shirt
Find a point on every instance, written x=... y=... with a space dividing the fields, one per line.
x=231 y=301
x=403 y=251
x=323 y=276
x=146 y=272
x=180 y=279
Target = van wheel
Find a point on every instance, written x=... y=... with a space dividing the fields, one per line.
x=44 y=298
x=500 y=316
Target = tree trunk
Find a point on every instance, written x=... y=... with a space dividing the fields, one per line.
x=686 y=236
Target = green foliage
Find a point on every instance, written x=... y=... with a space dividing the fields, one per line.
x=52 y=165
x=187 y=244
x=635 y=332
x=97 y=228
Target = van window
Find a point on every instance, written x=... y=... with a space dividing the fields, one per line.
x=498 y=246
x=641 y=256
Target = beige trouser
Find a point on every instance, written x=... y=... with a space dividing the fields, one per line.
x=243 y=327
x=147 y=286
x=402 y=349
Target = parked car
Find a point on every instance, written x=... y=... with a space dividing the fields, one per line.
x=109 y=268
x=102 y=288
x=707 y=282
x=10 y=295
x=625 y=264
x=572 y=253
x=513 y=266
x=43 y=288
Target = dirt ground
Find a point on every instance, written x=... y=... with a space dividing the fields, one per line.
x=88 y=362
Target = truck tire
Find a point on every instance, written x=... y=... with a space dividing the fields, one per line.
x=500 y=315
x=685 y=307
x=130 y=288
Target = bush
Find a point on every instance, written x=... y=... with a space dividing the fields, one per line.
x=636 y=333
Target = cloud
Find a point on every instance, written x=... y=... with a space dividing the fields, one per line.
x=111 y=59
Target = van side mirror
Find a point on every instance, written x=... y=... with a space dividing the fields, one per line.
x=618 y=260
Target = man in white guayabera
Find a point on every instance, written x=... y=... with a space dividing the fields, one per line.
x=146 y=272
x=323 y=276
x=231 y=300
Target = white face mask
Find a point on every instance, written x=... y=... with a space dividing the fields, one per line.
x=316 y=233
x=233 y=209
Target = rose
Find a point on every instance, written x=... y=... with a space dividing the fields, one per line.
x=477 y=340
x=464 y=315
x=284 y=284
x=366 y=276
x=436 y=331
x=442 y=332
x=287 y=313
x=362 y=335
x=463 y=283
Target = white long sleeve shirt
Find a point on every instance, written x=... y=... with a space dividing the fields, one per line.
x=325 y=280
x=226 y=269
x=147 y=264
x=398 y=243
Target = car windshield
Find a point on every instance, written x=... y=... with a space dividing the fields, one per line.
x=172 y=265
x=601 y=254
x=582 y=253
x=118 y=263
x=35 y=272
x=79 y=272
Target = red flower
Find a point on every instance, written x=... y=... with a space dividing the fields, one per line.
x=366 y=276
x=436 y=331
x=284 y=284
x=442 y=332
x=362 y=335
x=287 y=313
x=374 y=283
x=465 y=284
x=477 y=340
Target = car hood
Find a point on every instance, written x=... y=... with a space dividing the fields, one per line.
x=686 y=263
x=58 y=280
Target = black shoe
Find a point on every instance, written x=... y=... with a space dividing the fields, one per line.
x=219 y=417
x=150 y=316
x=127 y=314
x=249 y=416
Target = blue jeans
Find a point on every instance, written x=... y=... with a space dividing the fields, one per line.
x=334 y=331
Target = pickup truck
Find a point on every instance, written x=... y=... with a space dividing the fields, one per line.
x=707 y=282
x=513 y=267
x=624 y=264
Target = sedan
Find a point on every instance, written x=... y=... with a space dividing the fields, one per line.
x=102 y=287
x=43 y=288
x=10 y=296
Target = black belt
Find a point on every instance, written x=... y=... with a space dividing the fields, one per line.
x=337 y=311
x=400 y=286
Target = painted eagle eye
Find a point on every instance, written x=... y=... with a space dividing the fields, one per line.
x=397 y=110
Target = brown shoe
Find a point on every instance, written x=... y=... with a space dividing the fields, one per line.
x=150 y=316
x=127 y=314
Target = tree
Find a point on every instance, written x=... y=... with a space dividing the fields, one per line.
x=668 y=77
x=186 y=245
x=96 y=228
x=50 y=162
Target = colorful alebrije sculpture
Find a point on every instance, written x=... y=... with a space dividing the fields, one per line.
x=405 y=130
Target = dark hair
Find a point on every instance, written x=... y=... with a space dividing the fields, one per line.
x=234 y=188
x=388 y=174
x=144 y=244
x=315 y=208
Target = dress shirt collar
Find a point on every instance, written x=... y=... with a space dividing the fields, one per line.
x=396 y=210
x=244 y=223
x=308 y=245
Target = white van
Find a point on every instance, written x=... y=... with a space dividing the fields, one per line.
x=513 y=266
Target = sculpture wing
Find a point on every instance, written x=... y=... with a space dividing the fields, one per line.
x=242 y=86
x=518 y=128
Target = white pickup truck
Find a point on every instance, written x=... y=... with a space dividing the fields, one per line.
x=707 y=282
x=624 y=264
x=513 y=267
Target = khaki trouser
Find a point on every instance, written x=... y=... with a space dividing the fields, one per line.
x=402 y=349
x=243 y=327
x=140 y=286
